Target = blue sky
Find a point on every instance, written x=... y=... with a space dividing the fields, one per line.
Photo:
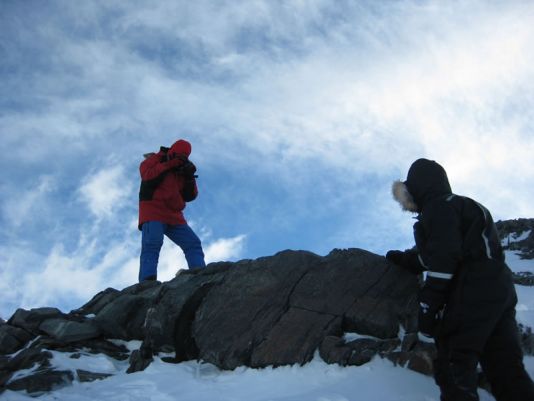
x=300 y=114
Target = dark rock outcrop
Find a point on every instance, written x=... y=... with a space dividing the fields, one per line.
x=271 y=311
x=518 y=236
x=68 y=331
x=32 y=319
x=523 y=278
x=42 y=381
x=12 y=338
x=511 y=231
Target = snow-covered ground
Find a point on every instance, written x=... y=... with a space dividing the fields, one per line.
x=316 y=381
x=378 y=380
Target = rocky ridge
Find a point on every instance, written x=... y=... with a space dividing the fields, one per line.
x=346 y=307
x=271 y=311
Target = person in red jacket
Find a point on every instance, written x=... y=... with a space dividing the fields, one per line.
x=167 y=183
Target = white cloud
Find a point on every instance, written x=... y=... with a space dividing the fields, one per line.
x=215 y=250
x=374 y=87
x=367 y=98
x=105 y=191
x=15 y=261
x=28 y=204
x=224 y=249
x=68 y=279
x=63 y=277
x=304 y=97
x=71 y=278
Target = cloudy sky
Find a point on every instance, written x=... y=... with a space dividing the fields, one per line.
x=300 y=113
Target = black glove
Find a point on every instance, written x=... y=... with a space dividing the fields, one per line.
x=431 y=309
x=396 y=257
x=407 y=260
x=189 y=169
x=186 y=168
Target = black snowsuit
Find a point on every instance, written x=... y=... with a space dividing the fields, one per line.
x=468 y=298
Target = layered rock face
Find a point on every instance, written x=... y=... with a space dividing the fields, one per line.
x=346 y=307
x=274 y=310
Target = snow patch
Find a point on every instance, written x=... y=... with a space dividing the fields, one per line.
x=93 y=363
x=516 y=264
x=348 y=337
x=515 y=237
x=130 y=345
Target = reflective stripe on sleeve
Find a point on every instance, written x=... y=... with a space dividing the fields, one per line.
x=486 y=231
x=443 y=276
x=421 y=261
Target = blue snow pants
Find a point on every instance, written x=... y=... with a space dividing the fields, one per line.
x=152 y=241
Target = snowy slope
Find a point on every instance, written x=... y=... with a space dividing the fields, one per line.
x=378 y=380
x=525 y=295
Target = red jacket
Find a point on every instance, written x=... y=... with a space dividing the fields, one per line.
x=164 y=188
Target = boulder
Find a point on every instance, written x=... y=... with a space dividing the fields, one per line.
x=86 y=376
x=67 y=331
x=523 y=278
x=32 y=319
x=98 y=302
x=294 y=338
x=334 y=349
x=28 y=359
x=12 y=338
x=92 y=346
x=278 y=310
x=238 y=315
x=168 y=321
x=140 y=360
x=271 y=311
x=124 y=316
x=373 y=297
x=41 y=381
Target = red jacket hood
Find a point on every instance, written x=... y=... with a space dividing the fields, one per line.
x=180 y=147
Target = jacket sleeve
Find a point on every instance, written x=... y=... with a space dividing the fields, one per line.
x=413 y=261
x=153 y=167
x=442 y=250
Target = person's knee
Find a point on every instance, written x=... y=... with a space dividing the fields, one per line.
x=152 y=236
x=152 y=242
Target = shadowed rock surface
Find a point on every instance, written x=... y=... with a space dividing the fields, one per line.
x=346 y=307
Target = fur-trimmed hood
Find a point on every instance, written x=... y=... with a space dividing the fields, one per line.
x=403 y=196
x=426 y=180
